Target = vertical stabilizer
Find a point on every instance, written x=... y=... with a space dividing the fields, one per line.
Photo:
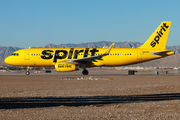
x=159 y=38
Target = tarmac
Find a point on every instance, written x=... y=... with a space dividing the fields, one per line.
x=103 y=94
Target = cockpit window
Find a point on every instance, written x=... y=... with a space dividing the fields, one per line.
x=15 y=54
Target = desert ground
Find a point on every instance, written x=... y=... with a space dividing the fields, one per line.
x=103 y=94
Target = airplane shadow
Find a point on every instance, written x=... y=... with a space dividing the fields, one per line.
x=76 y=101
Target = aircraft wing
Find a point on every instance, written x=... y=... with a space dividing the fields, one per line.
x=89 y=60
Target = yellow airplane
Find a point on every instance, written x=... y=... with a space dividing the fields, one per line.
x=71 y=59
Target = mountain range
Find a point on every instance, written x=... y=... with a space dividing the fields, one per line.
x=171 y=61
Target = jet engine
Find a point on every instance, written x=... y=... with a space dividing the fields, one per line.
x=66 y=67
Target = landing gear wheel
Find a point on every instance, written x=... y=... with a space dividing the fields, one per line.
x=27 y=72
x=85 y=72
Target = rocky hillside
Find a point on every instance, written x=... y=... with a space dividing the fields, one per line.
x=95 y=45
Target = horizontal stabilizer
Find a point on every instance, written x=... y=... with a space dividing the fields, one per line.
x=164 y=53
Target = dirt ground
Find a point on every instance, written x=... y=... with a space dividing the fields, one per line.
x=100 y=95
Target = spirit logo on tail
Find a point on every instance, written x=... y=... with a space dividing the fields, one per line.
x=159 y=35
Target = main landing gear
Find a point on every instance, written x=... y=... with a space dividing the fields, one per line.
x=85 y=72
x=27 y=72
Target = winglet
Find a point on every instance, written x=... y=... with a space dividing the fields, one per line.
x=109 y=49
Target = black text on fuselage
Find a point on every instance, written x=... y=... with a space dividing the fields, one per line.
x=69 y=54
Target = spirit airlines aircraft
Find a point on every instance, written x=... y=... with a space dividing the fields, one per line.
x=71 y=59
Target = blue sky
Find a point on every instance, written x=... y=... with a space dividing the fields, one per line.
x=36 y=23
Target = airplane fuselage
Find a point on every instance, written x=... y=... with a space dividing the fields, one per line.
x=47 y=57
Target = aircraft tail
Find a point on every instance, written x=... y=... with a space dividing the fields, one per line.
x=159 y=38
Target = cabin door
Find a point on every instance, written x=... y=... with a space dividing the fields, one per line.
x=27 y=55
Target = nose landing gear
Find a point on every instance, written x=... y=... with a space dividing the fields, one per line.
x=27 y=72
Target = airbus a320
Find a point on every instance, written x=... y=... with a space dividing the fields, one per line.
x=72 y=59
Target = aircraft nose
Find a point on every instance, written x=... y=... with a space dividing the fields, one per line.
x=8 y=60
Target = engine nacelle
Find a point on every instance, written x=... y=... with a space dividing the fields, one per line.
x=66 y=67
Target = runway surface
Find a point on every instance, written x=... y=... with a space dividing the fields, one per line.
x=101 y=95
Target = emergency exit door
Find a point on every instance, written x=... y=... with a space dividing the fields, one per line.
x=139 y=54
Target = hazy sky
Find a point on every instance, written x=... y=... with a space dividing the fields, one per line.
x=25 y=23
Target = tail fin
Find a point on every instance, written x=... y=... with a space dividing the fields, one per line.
x=159 y=38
